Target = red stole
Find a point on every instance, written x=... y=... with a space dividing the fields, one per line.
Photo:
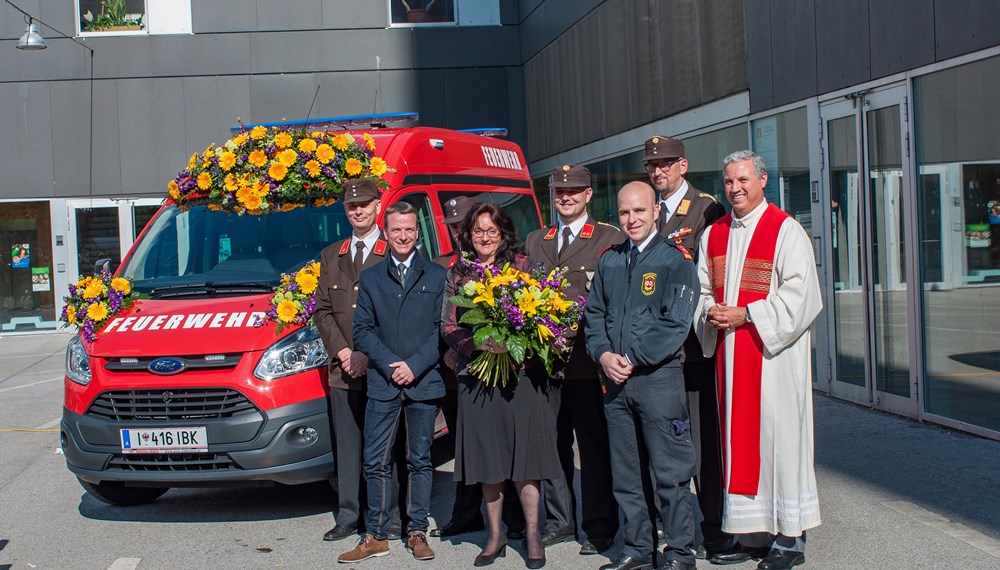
x=755 y=283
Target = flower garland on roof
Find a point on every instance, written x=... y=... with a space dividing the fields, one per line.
x=267 y=169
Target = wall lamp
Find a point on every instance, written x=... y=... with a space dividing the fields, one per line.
x=33 y=41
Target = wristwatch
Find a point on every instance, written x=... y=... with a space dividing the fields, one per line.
x=749 y=319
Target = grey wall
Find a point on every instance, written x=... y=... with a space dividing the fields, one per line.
x=623 y=64
x=157 y=99
x=801 y=48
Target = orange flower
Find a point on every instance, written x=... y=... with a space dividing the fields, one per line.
x=282 y=140
x=258 y=133
x=121 y=285
x=204 y=181
x=369 y=142
x=227 y=160
x=317 y=134
x=286 y=311
x=192 y=161
x=342 y=142
x=230 y=183
x=241 y=138
x=325 y=153
x=173 y=189
x=352 y=167
x=307 y=282
x=313 y=167
x=277 y=171
x=378 y=166
x=288 y=157
x=253 y=202
x=307 y=145
x=243 y=193
x=257 y=158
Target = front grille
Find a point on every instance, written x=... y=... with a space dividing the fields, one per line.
x=176 y=404
x=172 y=462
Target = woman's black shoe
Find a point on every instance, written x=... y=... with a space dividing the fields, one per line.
x=486 y=559
x=534 y=562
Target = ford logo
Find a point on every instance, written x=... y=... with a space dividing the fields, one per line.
x=166 y=366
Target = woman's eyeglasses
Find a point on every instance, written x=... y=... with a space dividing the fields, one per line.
x=492 y=232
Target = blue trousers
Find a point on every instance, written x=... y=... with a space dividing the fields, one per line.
x=648 y=416
x=381 y=425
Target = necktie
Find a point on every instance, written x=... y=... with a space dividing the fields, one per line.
x=633 y=255
x=401 y=268
x=567 y=235
x=662 y=220
x=359 y=257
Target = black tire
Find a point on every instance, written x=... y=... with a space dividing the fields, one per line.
x=114 y=493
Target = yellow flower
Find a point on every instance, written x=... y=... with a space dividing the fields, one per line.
x=312 y=268
x=307 y=282
x=307 y=145
x=121 y=285
x=342 y=142
x=257 y=158
x=204 y=181
x=378 y=166
x=259 y=189
x=192 y=161
x=558 y=304
x=241 y=138
x=287 y=157
x=505 y=278
x=282 y=140
x=71 y=314
x=209 y=153
x=253 y=202
x=369 y=142
x=243 y=193
x=258 y=133
x=529 y=303
x=174 y=190
x=227 y=160
x=230 y=182
x=484 y=294
x=313 y=167
x=97 y=311
x=325 y=153
x=94 y=289
x=544 y=333
x=352 y=167
x=287 y=310
x=317 y=134
x=277 y=171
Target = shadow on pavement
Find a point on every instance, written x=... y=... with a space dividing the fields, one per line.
x=948 y=472
x=3 y=544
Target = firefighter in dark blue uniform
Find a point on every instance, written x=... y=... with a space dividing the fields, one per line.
x=638 y=315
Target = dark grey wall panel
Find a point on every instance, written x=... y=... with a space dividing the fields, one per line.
x=464 y=47
x=62 y=60
x=793 y=50
x=107 y=144
x=544 y=23
x=336 y=49
x=476 y=98
x=208 y=16
x=962 y=26
x=26 y=147
x=516 y=123
x=510 y=15
x=69 y=124
x=842 y=45
x=355 y=14
x=902 y=35
x=211 y=106
x=151 y=112
x=284 y=15
x=758 y=38
x=614 y=78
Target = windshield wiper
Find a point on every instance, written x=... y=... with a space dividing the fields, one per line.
x=209 y=288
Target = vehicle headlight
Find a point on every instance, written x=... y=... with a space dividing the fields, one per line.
x=293 y=354
x=77 y=361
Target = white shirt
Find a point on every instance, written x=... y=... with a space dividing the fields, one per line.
x=369 y=241
x=674 y=201
x=576 y=227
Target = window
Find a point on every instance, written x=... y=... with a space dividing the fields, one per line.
x=428 y=244
x=134 y=17
x=520 y=207
x=422 y=11
x=782 y=141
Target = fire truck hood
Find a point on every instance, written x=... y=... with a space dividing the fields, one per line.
x=187 y=327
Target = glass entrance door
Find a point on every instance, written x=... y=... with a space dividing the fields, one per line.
x=104 y=229
x=867 y=175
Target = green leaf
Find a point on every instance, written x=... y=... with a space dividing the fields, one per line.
x=517 y=344
x=460 y=301
x=482 y=333
x=473 y=317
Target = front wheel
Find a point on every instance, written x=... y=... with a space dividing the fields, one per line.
x=115 y=493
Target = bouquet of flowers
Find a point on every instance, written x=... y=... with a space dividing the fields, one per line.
x=294 y=299
x=526 y=312
x=265 y=169
x=94 y=300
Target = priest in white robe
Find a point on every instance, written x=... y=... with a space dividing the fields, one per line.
x=759 y=296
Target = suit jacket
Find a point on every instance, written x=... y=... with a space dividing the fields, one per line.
x=336 y=297
x=581 y=258
x=684 y=228
x=401 y=322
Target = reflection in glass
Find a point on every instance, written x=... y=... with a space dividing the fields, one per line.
x=958 y=154
x=97 y=237
x=887 y=250
x=848 y=308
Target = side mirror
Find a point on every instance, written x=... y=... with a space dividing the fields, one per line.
x=100 y=264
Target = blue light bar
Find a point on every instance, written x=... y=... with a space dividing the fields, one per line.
x=328 y=122
x=497 y=133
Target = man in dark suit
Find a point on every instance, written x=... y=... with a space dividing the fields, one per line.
x=397 y=325
x=576 y=242
x=685 y=212
x=336 y=295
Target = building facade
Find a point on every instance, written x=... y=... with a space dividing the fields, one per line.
x=896 y=93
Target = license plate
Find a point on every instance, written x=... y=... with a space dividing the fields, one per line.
x=165 y=440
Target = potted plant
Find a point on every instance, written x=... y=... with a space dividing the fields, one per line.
x=419 y=13
x=114 y=16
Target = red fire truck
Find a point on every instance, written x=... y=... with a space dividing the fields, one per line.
x=186 y=390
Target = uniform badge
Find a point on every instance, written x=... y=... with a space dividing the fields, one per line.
x=380 y=246
x=552 y=233
x=679 y=235
x=648 y=283
x=587 y=232
x=682 y=210
x=345 y=248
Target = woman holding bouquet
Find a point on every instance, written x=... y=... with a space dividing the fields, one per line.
x=505 y=431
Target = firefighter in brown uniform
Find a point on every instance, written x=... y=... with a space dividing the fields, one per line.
x=685 y=212
x=466 y=514
x=576 y=242
x=336 y=295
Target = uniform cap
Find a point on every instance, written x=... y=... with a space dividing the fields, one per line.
x=663 y=148
x=570 y=176
x=360 y=190
x=456 y=209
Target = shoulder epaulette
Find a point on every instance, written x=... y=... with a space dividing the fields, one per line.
x=612 y=226
x=707 y=195
x=683 y=250
x=380 y=246
x=587 y=232
x=612 y=246
x=552 y=233
x=345 y=248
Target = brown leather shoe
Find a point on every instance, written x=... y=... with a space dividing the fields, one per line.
x=368 y=547
x=417 y=545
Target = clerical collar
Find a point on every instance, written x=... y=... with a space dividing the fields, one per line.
x=751 y=217
x=674 y=201
x=642 y=245
x=574 y=227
